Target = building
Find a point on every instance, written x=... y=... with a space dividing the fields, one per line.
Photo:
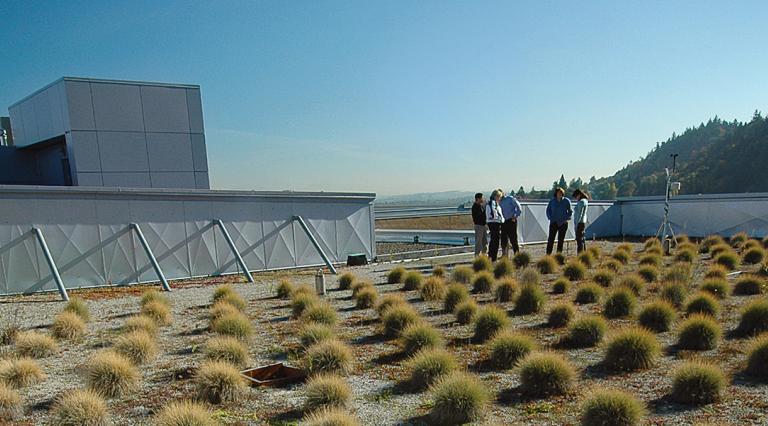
x=111 y=133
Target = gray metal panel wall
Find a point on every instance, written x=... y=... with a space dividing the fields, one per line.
x=87 y=230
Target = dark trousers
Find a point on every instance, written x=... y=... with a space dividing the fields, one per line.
x=581 y=243
x=493 y=246
x=509 y=235
x=559 y=230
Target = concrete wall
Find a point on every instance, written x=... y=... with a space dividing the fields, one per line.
x=87 y=230
x=120 y=133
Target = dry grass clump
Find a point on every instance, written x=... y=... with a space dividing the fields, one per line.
x=236 y=325
x=465 y=311
x=397 y=318
x=506 y=289
x=738 y=239
x=530 y=300
x=729 y=260
x=80 y=407
x=634 y=282
x=433 y=289
x=588 y=293
x=674 y=293
x=222 y=291
x=560 y=258
x=358 y=286
x=604 y=277
x=330 y=417
x=717 y=287
x=657 y=316
x=649 y=274
x=284 y=289
x=111 y=374
x=227 y=349
x=545 y=374
x=547 y=265
x=754 y=318
x=153 y=295
x=220 y=309
x=458 y=398
x=346 y=280
x=507 y=349
x=389 y=300
x=300 y=302
x=697 y=383
x=685 y=255
x=20 y=373
x=632 y=349
x=503 y=267
x=718 y=249
x=462 y=274
x=613 y=265
x=10 y=403
x=160 y=313
x=620 y=303
x=482 y=263
x=328 y=356
x=327 y=390
x=366 y=298
x=312 y=333
x=395 y=275
x=678 y=273
x=521 y=259
x=586 y=258
x=79 y=308
x=454 y=294
x=710 y=241
x=438 y=271
x=489 y=321
x=586 y=332
x=429 y=365
x=483 y=282
x=621 y=256
x=140 y=322
x=235 y=300
x=753 y=256
x=627 y=247
x=219 y=381
x=420 y=335
x=35 y=345
x=184 y=413
x=757 y=358
x=703 y=303
x=560 y=315
x=716 y=271
x=699 y=333
x=575 y=271
x=612 y=407
x=561 y=286
x=68 y=326
x=138 y=346
x=650 y=260
x=412 y=280
x=749 y=285
x=321 y=312
x=529 y=276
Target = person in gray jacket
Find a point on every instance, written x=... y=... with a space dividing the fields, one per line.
x=494 y=217
x=580 y=219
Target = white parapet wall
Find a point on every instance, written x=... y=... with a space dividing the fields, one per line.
x=89 y=235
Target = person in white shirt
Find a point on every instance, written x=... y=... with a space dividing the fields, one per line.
x=580 y=219
x=494 y=217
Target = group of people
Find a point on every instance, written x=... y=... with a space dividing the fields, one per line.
x=499 y=216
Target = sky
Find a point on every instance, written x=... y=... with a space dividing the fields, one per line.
x=399 y=97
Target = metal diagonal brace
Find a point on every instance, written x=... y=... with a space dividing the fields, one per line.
x=151 y=256
x=315 y=243
x=232 y=247
x=51 y=264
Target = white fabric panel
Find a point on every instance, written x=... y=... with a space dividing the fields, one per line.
x=162 y=223
x=323 y=227
x=118 y=243
x=201 y=237
x=352 y=230
x=279 y=245
x=244 y=224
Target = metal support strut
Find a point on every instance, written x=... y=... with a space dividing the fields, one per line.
x=151 y=256
x=51 y=264
x=315 y=243
x=232 y=247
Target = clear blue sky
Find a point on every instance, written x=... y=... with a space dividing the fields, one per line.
x=410 y=96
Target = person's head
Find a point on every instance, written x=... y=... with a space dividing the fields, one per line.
x=479 y=198
x=578 y=194
x=559 y=193
x=497 y=194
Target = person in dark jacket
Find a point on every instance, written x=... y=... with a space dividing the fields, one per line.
x=558 y=213
x=478 y=218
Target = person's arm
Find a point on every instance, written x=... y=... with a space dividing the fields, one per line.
x=518 y=209
x=581 y=211
x=549 y=211
x=488 y=212
x=568 y=211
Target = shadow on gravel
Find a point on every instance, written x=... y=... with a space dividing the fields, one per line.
x=417 y=420
x=43 y=405
x=665 y=405
x=482 y=366
x=389 y=358
x=460 y=341
x=194 y=332
x=279 y=319
x=370 y=339
x=184 y=351
x=286 y=306
x=600 y=371
x=741 y=379
x=350 y=309
x=125 y=315
x=365 y=322
x=288 y=418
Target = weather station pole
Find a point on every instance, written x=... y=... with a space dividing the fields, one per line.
x=665 y=232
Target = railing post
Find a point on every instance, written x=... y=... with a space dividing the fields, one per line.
x=232 y=247
x=151 y=256
x=315 y=243
x=51 y=264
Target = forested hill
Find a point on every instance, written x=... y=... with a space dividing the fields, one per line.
x=715 y=157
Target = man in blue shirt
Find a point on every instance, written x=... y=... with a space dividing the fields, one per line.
x=559 y=213
x=511 y=210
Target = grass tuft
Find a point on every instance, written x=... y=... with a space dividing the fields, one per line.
x=434 y=288
x=482 y=263
x=622 y=256
x=503 y=267
x=547 y=265
x=428 y=366
x=330 y=417
x=21 y=372
x=10 y=403
x=35 y=345
x=561 y=286
x=674 y=293
x=111 y=374
x=321 y=312
x=312 y=333
x=753 y=256
x=227 y=349
x=703 y=303
x=397 y=318
x=521 y=259
x=142 y=323
x=728 y=260
x=455 y=294
x=68 y=326
x=717 y=287
x=506 y=290
x=458 y=398
x=560 y=315
x=529 y=276
x=586 y=332
x=530 y=300
x=632 y=349
x=611 y=407
x=633 y=282
x=465 y=311
x=545 y=374
x=80 y=407
x=327 y=390
x=604 y=277
x=160 y=313
x=754 y=318
x=222 y=291
x=78 y=307
x=236 y=325
x=483 y=282
x=389 y=300
x=301 y=302
x=284 y=289
x=395 y=275
x=757 y=358
x=489 y=321
x=366 y=298
x=698 y=333
x=678 y=273
x=575 y=271
x=420 y=335
x=412 y=280
x=620 y=303
x=749 y=285
x=507 y=349
x=657 y=316
x=153 y=295
x=586 y=258
x=138 y=346
x=346 y=280
x=218 y=382
x=184 y=413
x=648 y=273
x=462 y=274
x=588 y=293
x=697 y=383
x=328 y=356
x=650 y=260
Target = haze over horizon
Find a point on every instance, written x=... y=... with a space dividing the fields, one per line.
x=402 y=97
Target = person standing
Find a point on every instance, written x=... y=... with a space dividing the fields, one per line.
x=558 y=213
x=511 y=210
x=580 y=219
x=478 y=218
x=494 y=217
